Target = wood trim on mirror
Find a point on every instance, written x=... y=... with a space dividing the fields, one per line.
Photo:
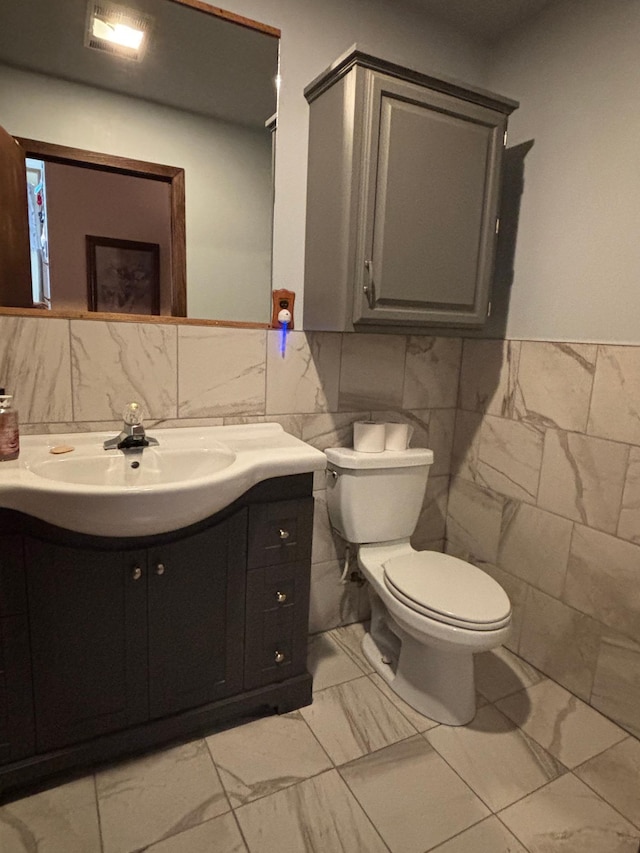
x=201 y=6
x=172 y=175
x=129 y=318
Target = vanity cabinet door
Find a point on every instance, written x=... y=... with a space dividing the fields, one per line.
x=196 y=617
x=87 y=612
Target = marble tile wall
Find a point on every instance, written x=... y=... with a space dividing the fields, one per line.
x=70 y=375
x=545 y=496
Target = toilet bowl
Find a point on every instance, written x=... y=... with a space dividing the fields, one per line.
x=430 y=664
x=430 y=612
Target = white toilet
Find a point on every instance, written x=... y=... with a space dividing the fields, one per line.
x=430 y=612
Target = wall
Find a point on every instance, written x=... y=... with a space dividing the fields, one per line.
x=575 y=71
x=314 y=34
x=70 y=375
x=227 y=179
x=545 y=496
x=104 y=204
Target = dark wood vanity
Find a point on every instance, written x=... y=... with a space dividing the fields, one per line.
x=110 y=646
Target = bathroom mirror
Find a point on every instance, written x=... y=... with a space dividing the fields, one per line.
x=196 y=107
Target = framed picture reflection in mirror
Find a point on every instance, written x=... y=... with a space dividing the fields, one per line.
x=123 y=276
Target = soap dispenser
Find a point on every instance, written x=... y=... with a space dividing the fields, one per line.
x=9 y=431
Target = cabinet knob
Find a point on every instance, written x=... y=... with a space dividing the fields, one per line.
x=136 y=574
x=284 y=534
x=281 y=597
x=160 y=569
x=279 y=657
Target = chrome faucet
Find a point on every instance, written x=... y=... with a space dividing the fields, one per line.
x=132 y=436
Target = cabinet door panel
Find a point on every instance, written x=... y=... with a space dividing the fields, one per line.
x=196 y=627
x=13 y=597
x=17 y=734
x=88 y=641
x=429 y=208
x=430 y=204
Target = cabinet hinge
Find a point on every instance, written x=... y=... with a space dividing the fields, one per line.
x=497 y=225
x=488 y=309
x=504 y=138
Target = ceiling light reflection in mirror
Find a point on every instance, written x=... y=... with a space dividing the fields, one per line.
x=198 y=100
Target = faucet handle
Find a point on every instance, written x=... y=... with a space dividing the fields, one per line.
x=132 y=414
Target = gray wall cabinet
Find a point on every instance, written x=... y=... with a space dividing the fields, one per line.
x=402 y=198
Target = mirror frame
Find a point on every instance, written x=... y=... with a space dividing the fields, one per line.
x=172 y=175
x=139 y=168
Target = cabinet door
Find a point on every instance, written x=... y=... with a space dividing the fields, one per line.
x=88 y=641
x=429 y=204
x=196 y=617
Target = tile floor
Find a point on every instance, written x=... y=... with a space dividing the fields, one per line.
x=360 y=772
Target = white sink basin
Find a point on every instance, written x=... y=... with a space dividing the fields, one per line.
x=192 y=474
x=151 y=467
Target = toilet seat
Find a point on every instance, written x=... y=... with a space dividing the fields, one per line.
x=457 y=593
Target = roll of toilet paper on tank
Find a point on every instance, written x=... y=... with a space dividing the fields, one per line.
x=368 y=436
x=397 y=436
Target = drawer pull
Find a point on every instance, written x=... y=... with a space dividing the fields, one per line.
x=160 y=568
x=279 y=657
x=136 y=574
x=284 y=534
x=281 y=597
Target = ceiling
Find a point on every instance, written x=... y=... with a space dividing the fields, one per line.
x=489 y=19
x=195 y=61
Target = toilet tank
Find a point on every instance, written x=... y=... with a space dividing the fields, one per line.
x=376 y=497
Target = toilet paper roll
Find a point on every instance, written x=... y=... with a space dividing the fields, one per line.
x=397 y=436
x=368 y=437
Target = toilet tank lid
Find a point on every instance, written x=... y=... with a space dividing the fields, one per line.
x=347 y=457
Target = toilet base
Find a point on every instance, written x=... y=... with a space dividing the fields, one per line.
x=437 y=683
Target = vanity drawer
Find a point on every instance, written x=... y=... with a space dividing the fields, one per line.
x=276 y=626
x=280 y=532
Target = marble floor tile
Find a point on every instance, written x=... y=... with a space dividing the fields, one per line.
x=417 y=720
x=329 y=663
x=489 y=836
x=220 y=835
x=266 y=755
x=319 y=815
x=498 y=761
x=615 y=775
x=349 y=638
x=353 y=719
x=144 y=801
x=567 y=817
x=560 y=722
x=500 y=673
x=412 y=796
x=62 y=820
